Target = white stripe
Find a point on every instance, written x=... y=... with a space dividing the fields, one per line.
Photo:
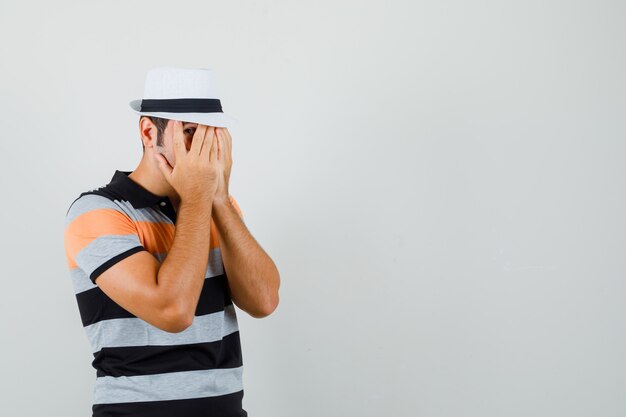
x=104 y=248
x=168 y=386
x=80 y=280
x=215 y=267
x=137 y=332
x=91 y=202
x=88 y=203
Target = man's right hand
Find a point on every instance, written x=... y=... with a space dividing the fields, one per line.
x=195 y=175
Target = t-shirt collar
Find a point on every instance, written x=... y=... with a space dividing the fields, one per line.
x=131 y=191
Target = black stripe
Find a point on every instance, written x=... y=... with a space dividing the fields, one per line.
x=182 y=105
x=214 y=295
x=99 y=270
x=94 y=305
x=229 y=405
x=147 y=360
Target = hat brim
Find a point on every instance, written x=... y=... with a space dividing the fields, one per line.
x=209 y=119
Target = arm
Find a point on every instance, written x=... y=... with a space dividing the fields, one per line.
x=252 y=275
x=182 y=273
x=164 y=295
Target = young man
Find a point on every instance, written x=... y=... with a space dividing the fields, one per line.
x=159 y=257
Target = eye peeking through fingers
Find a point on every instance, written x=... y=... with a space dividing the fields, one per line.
x=190 y=130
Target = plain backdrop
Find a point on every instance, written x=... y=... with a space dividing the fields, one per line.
x=440 y=183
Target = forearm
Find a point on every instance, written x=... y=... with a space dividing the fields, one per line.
x=182 y=273
x=252 y=275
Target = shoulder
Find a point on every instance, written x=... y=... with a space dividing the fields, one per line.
x=95 y=226
x=90 y=202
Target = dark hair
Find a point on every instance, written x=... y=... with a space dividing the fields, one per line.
x=160 y=124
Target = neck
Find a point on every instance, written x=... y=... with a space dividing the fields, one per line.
x=150 y=177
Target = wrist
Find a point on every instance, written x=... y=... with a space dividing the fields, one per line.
x=197 y=203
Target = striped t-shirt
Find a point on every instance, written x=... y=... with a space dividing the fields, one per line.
x=141 y=370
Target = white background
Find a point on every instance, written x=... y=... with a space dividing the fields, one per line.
x=440 y=183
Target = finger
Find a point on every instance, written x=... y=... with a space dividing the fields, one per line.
x=206 y=148
x=208 y=140
x=198 y=139
x=227 y=140
x=220 y=142
x=220 y=145
x=179 y=140
x=214 y=145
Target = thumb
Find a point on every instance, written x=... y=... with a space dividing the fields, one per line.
x=163 y=165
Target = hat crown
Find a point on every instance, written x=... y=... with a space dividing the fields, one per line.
x=182 y=94
x=170 y=82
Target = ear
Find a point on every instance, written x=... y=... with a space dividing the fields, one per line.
x=148 y=132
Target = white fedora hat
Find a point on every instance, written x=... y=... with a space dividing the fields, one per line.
x=189 y=95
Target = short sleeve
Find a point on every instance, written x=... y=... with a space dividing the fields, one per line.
x=98 y=234
x=236 y=206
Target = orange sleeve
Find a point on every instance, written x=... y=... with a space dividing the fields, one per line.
x=98 y=235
